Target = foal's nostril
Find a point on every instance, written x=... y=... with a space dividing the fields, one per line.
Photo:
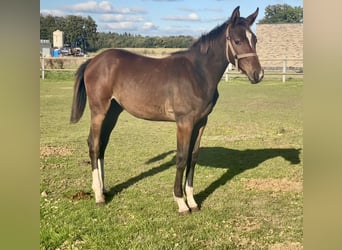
x=258 y=75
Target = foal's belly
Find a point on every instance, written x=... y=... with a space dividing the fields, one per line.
x=147 y=109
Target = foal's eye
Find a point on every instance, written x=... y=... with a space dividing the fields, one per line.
x=237 y=42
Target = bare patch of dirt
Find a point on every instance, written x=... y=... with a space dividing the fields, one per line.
x=245 y=224
x=286 y=246
x=277 y=185
x=54 y=151
x=81 y=195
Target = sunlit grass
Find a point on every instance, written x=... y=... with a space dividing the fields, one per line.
x=249 y=149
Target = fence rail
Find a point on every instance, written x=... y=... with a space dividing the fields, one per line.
x=281 y=69
x=60 y=64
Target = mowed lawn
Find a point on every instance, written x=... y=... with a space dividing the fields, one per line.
x=248 y=180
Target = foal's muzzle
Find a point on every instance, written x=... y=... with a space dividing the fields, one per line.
x=256 y=76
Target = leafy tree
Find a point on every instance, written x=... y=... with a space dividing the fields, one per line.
x=47 y=27
x=80 y=31
x=282 y=13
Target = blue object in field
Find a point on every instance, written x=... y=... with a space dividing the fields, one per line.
x=55 y=53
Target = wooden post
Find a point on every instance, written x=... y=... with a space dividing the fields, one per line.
x=284 y=69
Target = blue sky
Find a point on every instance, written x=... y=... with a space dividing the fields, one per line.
x=158 y=17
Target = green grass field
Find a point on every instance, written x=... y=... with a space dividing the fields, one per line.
x=248 y=180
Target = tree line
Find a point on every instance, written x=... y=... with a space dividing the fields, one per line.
x=127 y=40
x=82 y=31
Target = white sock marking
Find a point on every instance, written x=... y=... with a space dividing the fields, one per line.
x=100 y=165
x=97 y=186
x=190 y=196
x=182 y=207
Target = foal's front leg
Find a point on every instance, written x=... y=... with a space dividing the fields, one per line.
x=194 y=147
x=183 y=142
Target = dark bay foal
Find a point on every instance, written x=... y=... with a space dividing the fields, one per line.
x=181 y=88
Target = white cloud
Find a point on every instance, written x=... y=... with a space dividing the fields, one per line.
x=52 y=12
x=193 y=16
x=120 y=18
x=190 y=17
x=121 y=26
x=105 y=6
x=130 y=10
x=149 y=26
x=111 y=18
x=90 y=6
x=102 y=7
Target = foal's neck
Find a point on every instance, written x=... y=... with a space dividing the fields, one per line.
x=211 y=51
x=215 y=61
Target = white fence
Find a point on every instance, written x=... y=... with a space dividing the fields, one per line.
x=282 y=68
x=60 y=64
x=276 y=68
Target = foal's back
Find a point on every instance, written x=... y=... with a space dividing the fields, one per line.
x=148 y=88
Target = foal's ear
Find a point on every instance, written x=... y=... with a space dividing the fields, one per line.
x=235 y=15
x=252 y=17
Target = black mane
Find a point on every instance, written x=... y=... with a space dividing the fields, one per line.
x=206 y=38
x=211 y=35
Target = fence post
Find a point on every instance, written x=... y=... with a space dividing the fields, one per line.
x=284 y=69
x=43 y=73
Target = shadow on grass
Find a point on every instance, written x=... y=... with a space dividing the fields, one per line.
x=153 y=171
x=238 y=161
x=235 y=161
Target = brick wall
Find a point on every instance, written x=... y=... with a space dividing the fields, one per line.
x=277 y=41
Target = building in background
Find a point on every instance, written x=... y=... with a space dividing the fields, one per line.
x=45 y=48
x=58 y=42
x=278 y=42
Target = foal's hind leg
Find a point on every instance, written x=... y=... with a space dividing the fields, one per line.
x=108 y=124
x=102 y=122
x=94 y=150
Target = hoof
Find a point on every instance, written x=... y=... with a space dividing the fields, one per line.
x=184 y=213
x=100 y=204
x=194 y=209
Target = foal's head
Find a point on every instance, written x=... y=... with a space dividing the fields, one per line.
x=241 y=45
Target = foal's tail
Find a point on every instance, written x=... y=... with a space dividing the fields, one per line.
x=80 y=95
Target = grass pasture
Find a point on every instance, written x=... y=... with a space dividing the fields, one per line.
x=248 y=180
